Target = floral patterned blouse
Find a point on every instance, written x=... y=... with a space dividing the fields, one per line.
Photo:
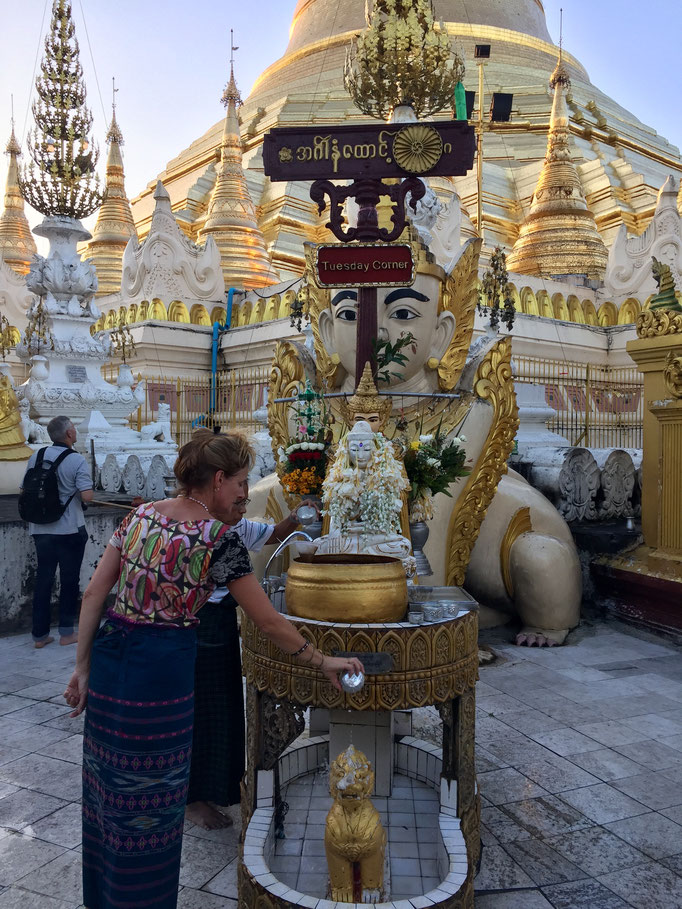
x=169 y=568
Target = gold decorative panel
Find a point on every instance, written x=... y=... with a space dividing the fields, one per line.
x=432 y=663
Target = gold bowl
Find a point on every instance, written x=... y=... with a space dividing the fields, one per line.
x=347 y=588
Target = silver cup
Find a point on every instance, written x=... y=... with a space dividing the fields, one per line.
x=352 y=681
x=306 y=514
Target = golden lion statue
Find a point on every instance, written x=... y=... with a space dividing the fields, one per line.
x=354 y=839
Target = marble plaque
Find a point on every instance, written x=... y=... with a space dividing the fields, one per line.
x=78 y=375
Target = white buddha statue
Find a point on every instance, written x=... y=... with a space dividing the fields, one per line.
x=362 y=496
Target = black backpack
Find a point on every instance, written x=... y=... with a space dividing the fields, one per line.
x=39 y=497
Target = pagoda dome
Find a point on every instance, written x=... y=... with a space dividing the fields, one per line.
x=621 y=162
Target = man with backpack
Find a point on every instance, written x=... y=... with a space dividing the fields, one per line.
x=56 y=481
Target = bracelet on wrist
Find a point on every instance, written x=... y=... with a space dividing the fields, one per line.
x=301 y=649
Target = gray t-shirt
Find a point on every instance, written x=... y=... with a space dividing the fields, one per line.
x=73 y=475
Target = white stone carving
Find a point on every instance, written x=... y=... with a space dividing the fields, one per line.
x=264 y=463
x=111 y=475
x=579 y=484
x=168 y=266
x=63 y=279
x=158 y=477
x=15 y=297
x=133 y=476
x=33 y=432
x=600 y=484
x=570 y=478
x=160 y=430
x=628 y=272
x=617 y=483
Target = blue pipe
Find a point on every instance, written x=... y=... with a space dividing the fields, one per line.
x=217 y=331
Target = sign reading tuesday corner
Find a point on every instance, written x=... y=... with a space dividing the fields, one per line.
x=361 y=264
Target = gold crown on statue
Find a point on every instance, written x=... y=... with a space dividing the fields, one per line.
x=367 y=400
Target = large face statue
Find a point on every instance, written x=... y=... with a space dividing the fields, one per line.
x=399 y=310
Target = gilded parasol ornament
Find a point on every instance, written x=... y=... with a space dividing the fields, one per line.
x=417 y=148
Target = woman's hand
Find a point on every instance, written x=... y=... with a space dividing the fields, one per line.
x=332 y=667
x=76 y=694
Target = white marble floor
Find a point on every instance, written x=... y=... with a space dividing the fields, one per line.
x=580 y=768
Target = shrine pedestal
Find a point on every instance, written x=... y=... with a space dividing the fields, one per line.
x=433 y=664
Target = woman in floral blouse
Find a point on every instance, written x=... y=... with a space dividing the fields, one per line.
x=136 y=672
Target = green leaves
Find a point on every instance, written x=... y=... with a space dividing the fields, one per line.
x=387 y=354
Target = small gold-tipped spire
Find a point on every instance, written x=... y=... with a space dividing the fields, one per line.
x=115 y=224
x=559 y=237
x=17 y=246
x=367 y=404
x=231 y=218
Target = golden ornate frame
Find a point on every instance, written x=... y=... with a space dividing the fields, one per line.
x=493 y=383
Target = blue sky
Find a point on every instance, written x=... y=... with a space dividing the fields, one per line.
x=171 y=62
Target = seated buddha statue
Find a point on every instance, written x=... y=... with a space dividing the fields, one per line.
x=362 y=496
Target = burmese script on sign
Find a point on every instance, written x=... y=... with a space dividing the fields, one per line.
x=383 y=265
x=352 y=152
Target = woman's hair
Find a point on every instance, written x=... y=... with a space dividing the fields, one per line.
x=207 y=453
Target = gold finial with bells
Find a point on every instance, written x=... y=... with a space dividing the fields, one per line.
x=354 y=839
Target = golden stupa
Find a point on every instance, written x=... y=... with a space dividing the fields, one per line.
x=114 y=225
x=622 y=163
x=559 y=237
x=17 y=246
x=231 y=218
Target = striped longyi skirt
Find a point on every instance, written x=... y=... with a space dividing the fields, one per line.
x=137 y=749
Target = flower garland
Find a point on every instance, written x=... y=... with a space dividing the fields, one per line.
x=371 y=496
x=304 y=461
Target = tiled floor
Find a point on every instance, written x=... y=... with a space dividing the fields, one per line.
x=580 y=768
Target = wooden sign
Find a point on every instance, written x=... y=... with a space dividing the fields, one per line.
x=359 y=264
x=439 y=148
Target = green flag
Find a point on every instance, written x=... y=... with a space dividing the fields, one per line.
x=460 y=102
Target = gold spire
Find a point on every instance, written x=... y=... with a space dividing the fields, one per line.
x=115 y=225
x=559 y=236
x=231 y=218
x=17 y=245
x=367 y=404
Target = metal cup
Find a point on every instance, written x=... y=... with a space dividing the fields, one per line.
x=352 y=681
x=306 y=514
x=432 y=613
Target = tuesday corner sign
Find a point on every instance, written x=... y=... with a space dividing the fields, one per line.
x=360 y=264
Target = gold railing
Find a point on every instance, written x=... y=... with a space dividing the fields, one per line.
x=596 y=406
x=238 y=393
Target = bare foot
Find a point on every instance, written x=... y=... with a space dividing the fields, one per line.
x=69 y=639
x=205 y=815
x=40 y=644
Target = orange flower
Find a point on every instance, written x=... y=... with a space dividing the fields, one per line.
x=303 y=482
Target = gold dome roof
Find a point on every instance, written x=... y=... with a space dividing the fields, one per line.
x=622 y=162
